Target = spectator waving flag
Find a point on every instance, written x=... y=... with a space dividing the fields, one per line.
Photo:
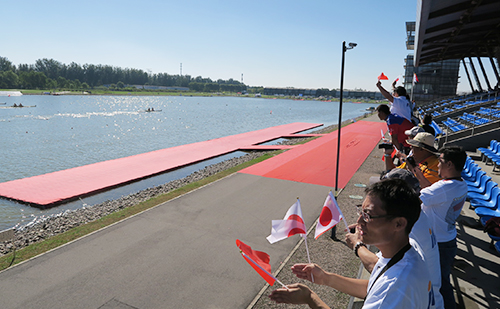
x=292 y=224
x=330 y=216
x=398 y=81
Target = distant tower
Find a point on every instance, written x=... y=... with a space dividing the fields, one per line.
x=181 y=68
x=242 y=78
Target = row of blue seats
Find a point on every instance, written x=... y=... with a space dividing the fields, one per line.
x=491 y=153
x=476 y=120
x=456 y=103
x=449 y=109
x=454 y=125
x=489 y=112
x=483 y=194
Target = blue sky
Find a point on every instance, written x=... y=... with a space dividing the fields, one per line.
x=273 y=43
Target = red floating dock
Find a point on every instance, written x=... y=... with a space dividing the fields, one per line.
x=55 y=188
x=315 y=162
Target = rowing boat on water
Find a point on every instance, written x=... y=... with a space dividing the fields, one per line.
x=17 y=106
x=150 y=111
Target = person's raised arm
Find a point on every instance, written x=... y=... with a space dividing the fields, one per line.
x=384 y=92
x=354 y=287
x=389 y=164
x=424 y=182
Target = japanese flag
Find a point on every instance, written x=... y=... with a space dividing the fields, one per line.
x=330 y=216
x=292 y=224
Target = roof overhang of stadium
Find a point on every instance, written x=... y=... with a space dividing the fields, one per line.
x=454 y=29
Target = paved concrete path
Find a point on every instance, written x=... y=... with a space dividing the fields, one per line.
x=181 y=254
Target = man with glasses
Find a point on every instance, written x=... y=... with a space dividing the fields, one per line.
x=442 y=203
x=399 y=279
x=422 y=238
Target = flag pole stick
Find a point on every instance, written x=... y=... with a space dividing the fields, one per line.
x=254 y=263
x=308 y=257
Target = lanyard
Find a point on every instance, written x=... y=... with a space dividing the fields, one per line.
x=396 y=258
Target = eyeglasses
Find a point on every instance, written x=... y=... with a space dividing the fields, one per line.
x=366 y=216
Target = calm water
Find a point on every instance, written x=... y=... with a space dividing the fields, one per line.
x=62 y=132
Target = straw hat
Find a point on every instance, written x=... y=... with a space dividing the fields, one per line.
x=423 y=140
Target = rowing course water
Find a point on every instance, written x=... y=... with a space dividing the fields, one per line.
x=62 y=132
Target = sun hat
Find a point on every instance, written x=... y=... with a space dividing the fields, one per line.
x=423 y=140
x=413 y=131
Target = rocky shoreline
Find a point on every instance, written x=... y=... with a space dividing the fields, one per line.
x=43 y=228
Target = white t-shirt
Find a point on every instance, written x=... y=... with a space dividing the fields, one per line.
x=402 y=107
x=406 y=284
x=442 y=203
x=423 y=240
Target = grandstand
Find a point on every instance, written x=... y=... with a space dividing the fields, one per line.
x=470 y=121
x=459 y=29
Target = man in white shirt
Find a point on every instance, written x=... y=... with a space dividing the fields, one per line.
x=422 y=238
x=442 y=203
x=399 y=279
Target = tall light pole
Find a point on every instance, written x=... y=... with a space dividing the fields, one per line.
x=344 y=49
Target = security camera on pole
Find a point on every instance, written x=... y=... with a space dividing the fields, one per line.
x=344 y=49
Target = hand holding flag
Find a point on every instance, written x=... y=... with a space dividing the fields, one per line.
x=330 y=216
x=398 y=81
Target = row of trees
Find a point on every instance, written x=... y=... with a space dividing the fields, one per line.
x=49 y=73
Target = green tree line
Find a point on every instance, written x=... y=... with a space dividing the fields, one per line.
x=52 y=74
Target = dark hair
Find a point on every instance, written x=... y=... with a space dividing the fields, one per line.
x=456 y=155
x=427 y=119
x=384 y=108
x=398 y=200
x=401 y=91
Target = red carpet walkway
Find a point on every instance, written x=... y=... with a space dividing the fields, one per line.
x=53 y=188
x=315 y=162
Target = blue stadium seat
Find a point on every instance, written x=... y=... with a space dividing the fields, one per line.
x=484 y=194
x=491 y=203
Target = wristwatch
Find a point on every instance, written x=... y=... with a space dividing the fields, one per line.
x=356 y=247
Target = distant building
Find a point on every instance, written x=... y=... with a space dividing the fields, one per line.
x=348 y=94
x=435 y=80
x=290 y=91
x=150 y=87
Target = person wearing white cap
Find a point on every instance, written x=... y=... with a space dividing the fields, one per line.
x=424 y=155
